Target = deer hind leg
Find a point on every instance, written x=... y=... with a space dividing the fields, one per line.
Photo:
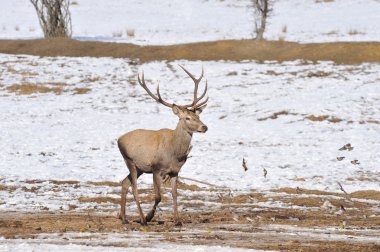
x=174 y=194
x=135 y=173
x=125 y=184
x=157 y=184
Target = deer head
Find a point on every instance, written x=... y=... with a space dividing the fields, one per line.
x=188 y=114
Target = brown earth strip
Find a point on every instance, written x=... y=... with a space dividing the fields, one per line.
x=235 y=50
x=218 y=217
x=201 y=228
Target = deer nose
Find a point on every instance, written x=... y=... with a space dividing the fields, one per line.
x=204 y=128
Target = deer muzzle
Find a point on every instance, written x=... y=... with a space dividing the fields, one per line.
x=203 y=129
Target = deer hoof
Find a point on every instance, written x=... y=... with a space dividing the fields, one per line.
x=149 y=216
x=178 y=223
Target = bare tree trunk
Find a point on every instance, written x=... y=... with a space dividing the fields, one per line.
x=262 y=11
x=54 y=17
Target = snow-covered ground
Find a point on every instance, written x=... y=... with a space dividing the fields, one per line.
x=135 y=242
x=68 y=136
x=172 y=22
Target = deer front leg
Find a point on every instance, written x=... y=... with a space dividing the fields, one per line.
x=173 y=181
x=157 y=184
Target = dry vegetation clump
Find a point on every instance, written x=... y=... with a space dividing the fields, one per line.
x=81 y=90
x=276 y=115
x=322 y=118
x=319 y=74
x=7 y=188
x=354 y=32
x=28 y=89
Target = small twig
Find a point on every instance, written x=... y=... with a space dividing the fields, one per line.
x=341 y=188
x=201 y=182
x=265 y=172
x=244 y=164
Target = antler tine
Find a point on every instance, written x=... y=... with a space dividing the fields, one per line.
x=159 y=98
x=196 y=99
x=199 y=104
x=203 y=94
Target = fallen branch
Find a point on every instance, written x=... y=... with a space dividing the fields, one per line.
x=202 y=182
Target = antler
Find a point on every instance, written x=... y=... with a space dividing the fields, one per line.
x=193 y=106
x=158 y=99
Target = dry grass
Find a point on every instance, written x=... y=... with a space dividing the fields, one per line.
x=28 y=89
x=322 y=118
x=236 y=50
x=106 y=183
x=366 y=194
x=354 y=32
x=7 y=188
x=63 y=182
x=130 y=32
x=319 y=74
x=275 y=115
x=81 y=90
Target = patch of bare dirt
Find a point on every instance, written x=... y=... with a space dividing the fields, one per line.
x=236 y=50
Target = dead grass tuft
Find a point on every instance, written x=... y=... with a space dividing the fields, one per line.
x=321 y=118
x=28 y=89
x=275 y=115
x=354 y=32
x=290 y=190
x=62 y=182
x=99 y=200
x=7 y=188
x=319 y=74
x=106 y=183
x=81 y=90
x=331 y=33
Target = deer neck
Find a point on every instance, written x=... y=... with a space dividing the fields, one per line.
x=182 y=139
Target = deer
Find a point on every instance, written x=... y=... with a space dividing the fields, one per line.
x=161 y=152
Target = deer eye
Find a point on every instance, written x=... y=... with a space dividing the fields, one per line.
x=187 y=118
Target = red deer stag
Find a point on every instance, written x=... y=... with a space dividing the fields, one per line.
x=161 y=152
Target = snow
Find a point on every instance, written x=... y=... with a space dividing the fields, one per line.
x=73 y=137
x=173 y=22
x=134 y=242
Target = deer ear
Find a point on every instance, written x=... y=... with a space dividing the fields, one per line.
x=177 y=111
x=200 y=109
